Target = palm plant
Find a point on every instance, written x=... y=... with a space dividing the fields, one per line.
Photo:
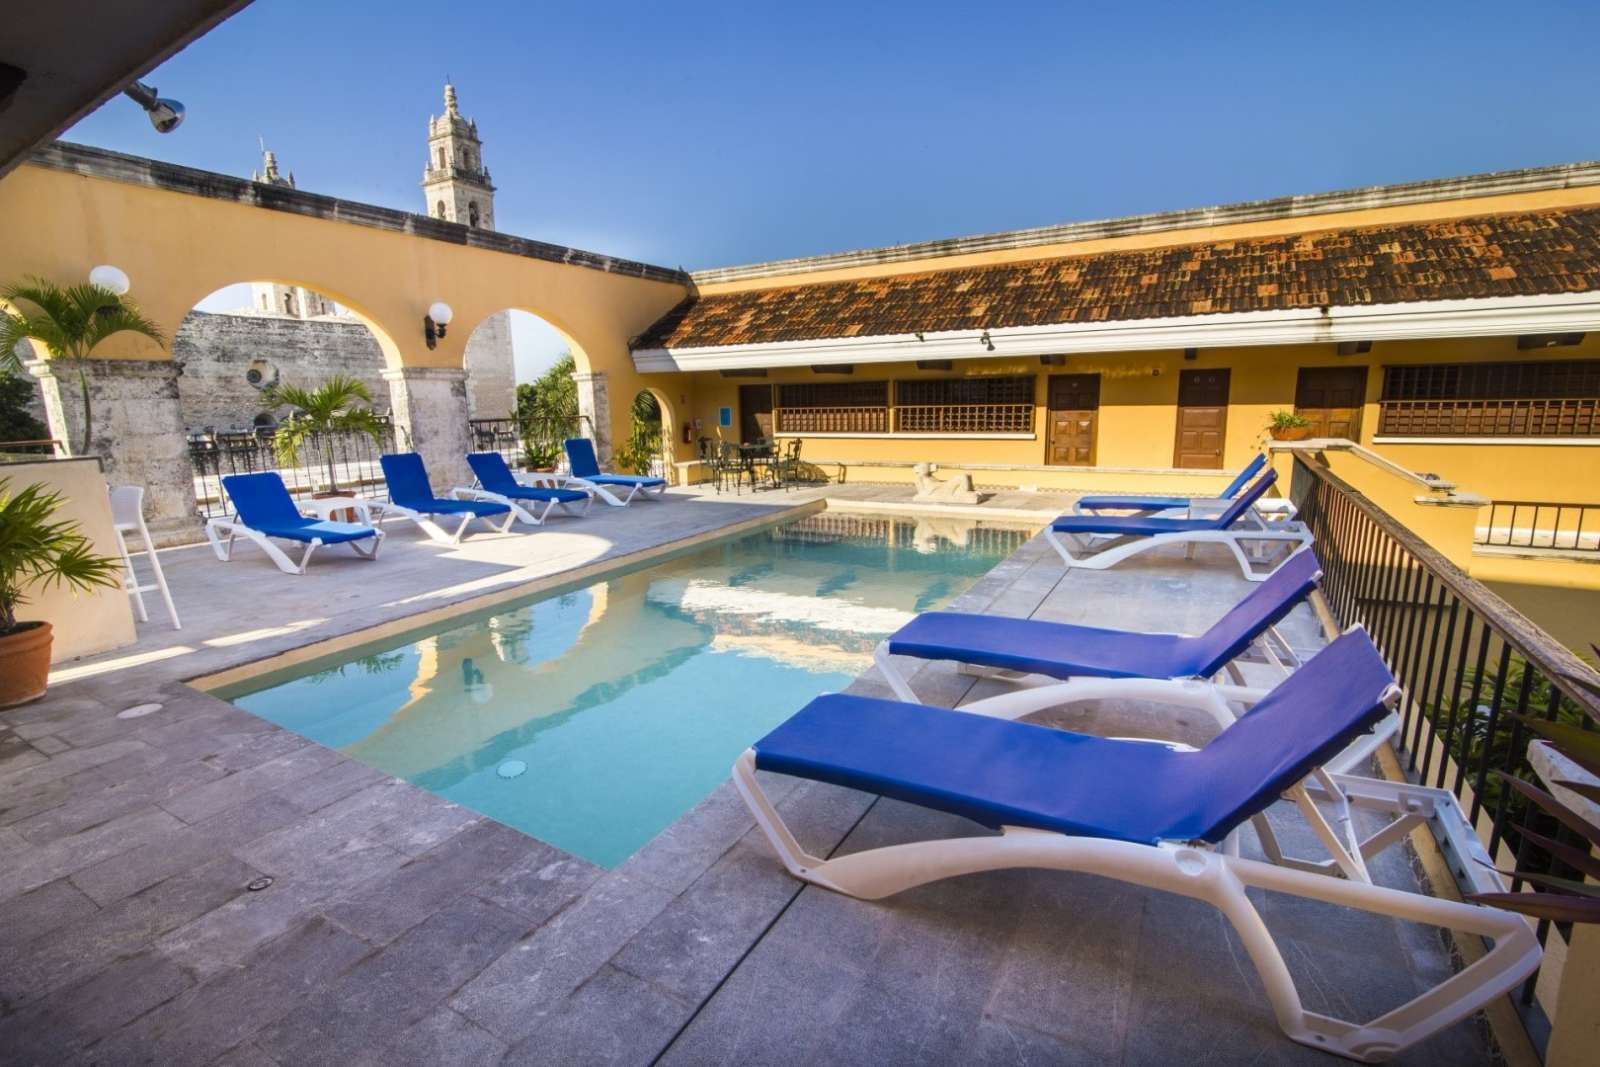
x=334 y=407
x=36 y=550
x=548 y=413
x=70 y=321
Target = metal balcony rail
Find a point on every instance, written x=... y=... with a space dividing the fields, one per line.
x=1470 y=664
x=1540 y=524
x=348 y=460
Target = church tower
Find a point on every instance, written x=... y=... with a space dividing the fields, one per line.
x=267 y=298
x=456 y=187
x=455 y=182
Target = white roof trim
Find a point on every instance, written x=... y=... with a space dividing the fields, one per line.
x=1558 y=313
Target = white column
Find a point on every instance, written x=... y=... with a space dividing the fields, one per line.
x=430 y=415
x=137 y=433
x=594 y=412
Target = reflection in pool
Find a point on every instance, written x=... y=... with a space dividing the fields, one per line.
x=593 y=718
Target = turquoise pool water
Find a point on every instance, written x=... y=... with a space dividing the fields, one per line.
x=591 y=719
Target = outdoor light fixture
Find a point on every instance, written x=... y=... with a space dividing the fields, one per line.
x=108 y=277
x=434 y=322
x=986 y=342
x=920 y=337
x=1352 y=348
x=1191 y=353
x=165 y=115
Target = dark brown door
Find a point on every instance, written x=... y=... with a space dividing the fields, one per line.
x=1331 y=397
x=1202 y=419
x=755 y=413
x=1074 y=410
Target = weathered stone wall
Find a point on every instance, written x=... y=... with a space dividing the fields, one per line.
x=491 y=375
x=218 y=352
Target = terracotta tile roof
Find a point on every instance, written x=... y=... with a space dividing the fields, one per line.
x=1487 y=256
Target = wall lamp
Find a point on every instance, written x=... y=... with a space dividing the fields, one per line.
x=433 y=323
x=986 y=342
x=108 y=277
x=165 y=115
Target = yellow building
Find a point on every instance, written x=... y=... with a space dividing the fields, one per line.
x=1450 y=325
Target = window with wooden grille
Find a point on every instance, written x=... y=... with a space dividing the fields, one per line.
x=833 y=407
x=1559 y=398
x=965 y=405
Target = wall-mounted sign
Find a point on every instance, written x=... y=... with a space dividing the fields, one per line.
x=724 y=416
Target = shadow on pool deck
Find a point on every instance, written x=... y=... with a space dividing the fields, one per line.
x=399 y=928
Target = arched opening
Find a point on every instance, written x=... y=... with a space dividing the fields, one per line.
x=522 y=399
x=472 y=213
x=438 y=210
x=647 y=449
x=279 y=376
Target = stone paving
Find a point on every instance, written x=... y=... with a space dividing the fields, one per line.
x=399 y=928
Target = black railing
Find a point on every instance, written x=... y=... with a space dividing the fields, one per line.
x=497 y=435
x=1537 y=524
x=1469 y=663
x=41 y=447
x=348 y=460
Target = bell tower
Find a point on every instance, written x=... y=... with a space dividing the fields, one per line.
x=455 y=183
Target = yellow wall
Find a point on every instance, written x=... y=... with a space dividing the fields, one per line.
x=179 y=248
x=1138 y=420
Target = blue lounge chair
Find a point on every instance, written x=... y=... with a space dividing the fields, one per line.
x=411 y=496
x=586 y=474
x=498 y=485
x=1158 y=816
x=1096 y=542
x=1151 y=505
x=264 y=511
x=1089 y=663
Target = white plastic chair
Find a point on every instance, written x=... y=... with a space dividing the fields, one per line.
x=127 y=515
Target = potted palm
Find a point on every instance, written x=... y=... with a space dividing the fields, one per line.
x=339 y=406
x=1289 y=426
x=70 y=322
x=38 y=550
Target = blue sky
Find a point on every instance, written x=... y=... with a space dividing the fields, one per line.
x=720 y=133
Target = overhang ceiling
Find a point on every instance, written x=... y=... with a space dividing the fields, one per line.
x=61 y=59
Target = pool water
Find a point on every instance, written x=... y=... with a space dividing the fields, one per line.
x=593 y=718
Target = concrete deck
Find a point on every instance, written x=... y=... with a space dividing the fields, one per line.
x=399 y=928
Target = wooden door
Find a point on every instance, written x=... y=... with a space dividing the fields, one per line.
x=1331 y=397
x=1202 y=419
x=755 y=413
x=1074 y=409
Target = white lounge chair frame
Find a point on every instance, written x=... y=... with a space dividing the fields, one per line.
x=439 y=533
x=604 y=491
x=1098 y=552
x=521 y=509
x=217 y=529
x=1220 y=877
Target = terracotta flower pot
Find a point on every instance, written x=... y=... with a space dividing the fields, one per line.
x=24 y=664
x=1291 y=433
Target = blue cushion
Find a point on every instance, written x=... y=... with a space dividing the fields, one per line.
x=1143 y=526
x=581 y=457
x=1134 y=503
x=625 y=479
x=1063 y=650
x=264 y=505
x=330 y=533
x=1002 y=773
x=407 y=479
x=493 y=474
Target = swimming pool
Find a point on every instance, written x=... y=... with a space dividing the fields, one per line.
x=593 y=718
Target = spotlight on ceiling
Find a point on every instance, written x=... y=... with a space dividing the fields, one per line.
x=165 y=115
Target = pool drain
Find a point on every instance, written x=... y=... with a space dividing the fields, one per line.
x=511 y=768
x=138 y=711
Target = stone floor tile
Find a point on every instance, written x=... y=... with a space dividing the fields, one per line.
x=46 y=863
x=74 y=1017
x=639 y=1020
x=42 y=911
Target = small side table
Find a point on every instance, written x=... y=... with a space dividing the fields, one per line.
x=367 y=511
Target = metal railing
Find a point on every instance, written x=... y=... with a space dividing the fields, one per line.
x=41 y=447
x=497 y=435
x=349 y=459
x=1469 y=663
x=1540 y=524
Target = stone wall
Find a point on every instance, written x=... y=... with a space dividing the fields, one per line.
x=217 y=354
x=491 y=376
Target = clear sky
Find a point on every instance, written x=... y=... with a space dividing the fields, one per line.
x=712 y=134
